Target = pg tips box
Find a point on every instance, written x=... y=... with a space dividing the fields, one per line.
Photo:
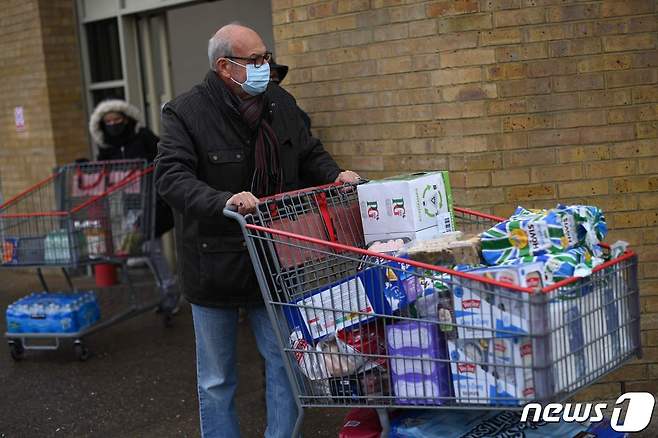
x=410 y=206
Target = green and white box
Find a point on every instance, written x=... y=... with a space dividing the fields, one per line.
x=415 y=205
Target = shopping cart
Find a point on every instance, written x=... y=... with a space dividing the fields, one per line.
x=83 y=214
x=359 y=328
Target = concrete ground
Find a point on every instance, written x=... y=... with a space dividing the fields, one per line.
x=139 y=381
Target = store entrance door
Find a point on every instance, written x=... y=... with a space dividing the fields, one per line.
x=154 y=59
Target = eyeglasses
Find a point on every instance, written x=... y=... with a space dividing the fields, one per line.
x=256 y=60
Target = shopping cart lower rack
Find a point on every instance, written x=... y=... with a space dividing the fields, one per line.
x=83 y=214
x=358 y=328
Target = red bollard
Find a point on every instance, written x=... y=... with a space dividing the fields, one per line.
x=105 y=274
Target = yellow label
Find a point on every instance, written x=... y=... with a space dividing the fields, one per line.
x=518 y=238
x=564 y=241
x=390 y=274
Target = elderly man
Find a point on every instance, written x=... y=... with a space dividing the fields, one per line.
x=229 y=141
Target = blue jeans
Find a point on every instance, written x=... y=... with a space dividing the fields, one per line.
x=216 y=332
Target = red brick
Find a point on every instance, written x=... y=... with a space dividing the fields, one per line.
x=554 y=137
x=618 y=61
x=534 y=157
x=595 y=99
x=601 y=169
x=527 y=122
x=507 y=106
x=472 y=126
x=451 y=7
x=528 y=192
x=522 y=53
x=552 y=102
x=465 y=22
x=562 y=172
x=647 y=23
x=524 y=87
x=635 y=184
x=456 y=76
x=469 y=92
x=590 y=81
x=580 y=118
x=611 y=8
x=510 y=141
x=575 y=47
x=625 y=42
x=551 y=67
x=508 y=70
x=500 y=36
x=574 y=12
x=645 y=94
x=458 y=110
x=633 y=114
x=518 y=17
x=631 y=77
x=647 y=130
x=499 y=5
x=645 y=59
x=606 y=133
x=486 y=161
x=636 y=148
x=468 y=57
x=510 y=177
x=611 y=27
x=583 y=188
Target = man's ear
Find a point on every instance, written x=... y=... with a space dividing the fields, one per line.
x=222 y=66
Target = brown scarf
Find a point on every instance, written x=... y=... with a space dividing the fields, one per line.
x=268 y=174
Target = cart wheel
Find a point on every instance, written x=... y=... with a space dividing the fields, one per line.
x=16 y=349
x=81 y=351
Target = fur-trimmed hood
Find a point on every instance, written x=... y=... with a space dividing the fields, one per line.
x=107 y=106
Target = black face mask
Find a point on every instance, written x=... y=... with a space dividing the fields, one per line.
x=119 y=134
x=115 y=130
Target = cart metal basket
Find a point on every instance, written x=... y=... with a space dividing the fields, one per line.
x=359 y=328
x=83 y=214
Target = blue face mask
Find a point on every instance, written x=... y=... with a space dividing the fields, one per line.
x=257 y=78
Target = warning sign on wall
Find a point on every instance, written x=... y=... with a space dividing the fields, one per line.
x=19 y=118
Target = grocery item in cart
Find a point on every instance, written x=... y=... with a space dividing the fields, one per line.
x=331 y=357
x=335 y=307
x=449 y=249
x=58 y=312
x=62 y=246
x=435 y=303
x=24 y=250
x=530 y=233
x=483 y=310
x=479 y=374
x=416 y=206
x=560 y=266
x=520 y=236
x=417 y=377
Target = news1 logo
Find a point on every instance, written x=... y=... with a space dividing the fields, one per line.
x=638 y=412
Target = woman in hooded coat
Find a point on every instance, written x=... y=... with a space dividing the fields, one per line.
x=116 y=128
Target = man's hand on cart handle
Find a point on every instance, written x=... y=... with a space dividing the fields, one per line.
x=348 y=176
x=245 y=201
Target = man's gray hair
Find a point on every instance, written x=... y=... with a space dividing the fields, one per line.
x=219 y=46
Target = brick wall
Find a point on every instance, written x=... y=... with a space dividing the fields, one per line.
x=524 y=101
x=39 y=71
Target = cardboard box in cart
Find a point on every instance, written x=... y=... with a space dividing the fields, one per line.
x=407 y=206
